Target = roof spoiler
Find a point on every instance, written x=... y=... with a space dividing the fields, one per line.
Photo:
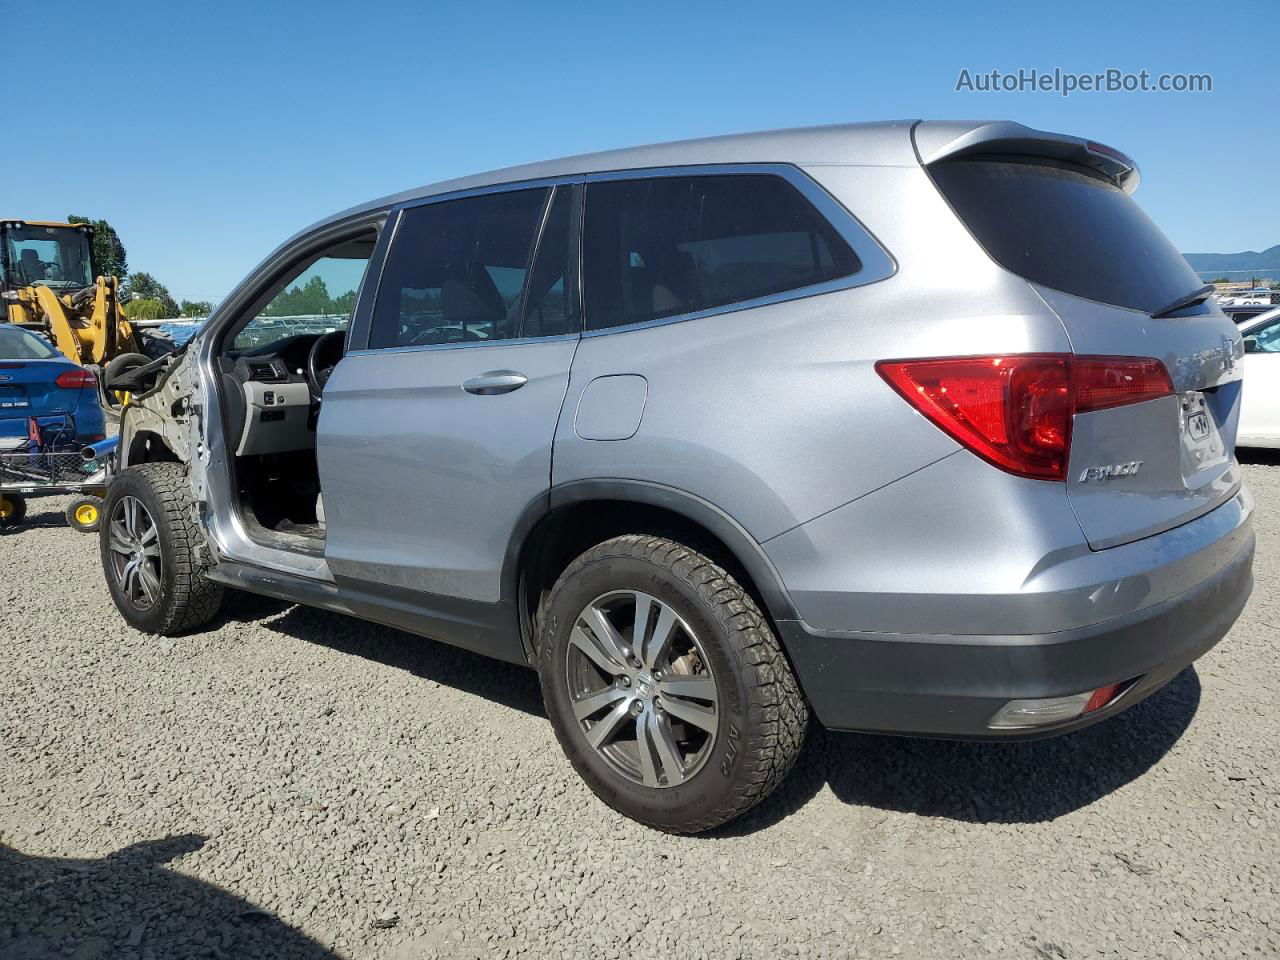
x=940 y=141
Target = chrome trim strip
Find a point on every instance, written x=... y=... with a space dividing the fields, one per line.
x=514 y=342
x=876 y=262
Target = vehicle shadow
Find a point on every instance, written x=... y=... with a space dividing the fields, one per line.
x=1261 y=455
x=1028 y=782
x=510 y=685
x=39 y=521
x=990 y=782
x=128 y=905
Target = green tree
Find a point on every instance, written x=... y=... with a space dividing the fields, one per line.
x=195 y=308
x=313 y=298
x=143 y=286
x=145 y=310
x=345 y=304
x=1221 y=280
x=109 y=257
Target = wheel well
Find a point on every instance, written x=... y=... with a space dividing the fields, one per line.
x=147 y=446
x=567 y=532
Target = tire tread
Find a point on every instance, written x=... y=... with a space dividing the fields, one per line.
x=771 y=746
x=196 y=599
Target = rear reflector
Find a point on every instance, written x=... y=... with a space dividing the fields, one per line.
x=74 y=379
x=1102 y=696
x=1016 y=411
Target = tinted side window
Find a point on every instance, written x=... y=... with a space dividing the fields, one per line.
x=551 y=305
x=456 y=270
x=665 y=246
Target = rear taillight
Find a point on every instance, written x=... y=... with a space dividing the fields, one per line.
x=1106 y=382
x=74 y=379
x=1016 y=411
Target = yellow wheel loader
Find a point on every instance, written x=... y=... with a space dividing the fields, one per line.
x=48 y=283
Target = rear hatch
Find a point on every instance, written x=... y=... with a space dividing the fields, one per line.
x=1045 y=210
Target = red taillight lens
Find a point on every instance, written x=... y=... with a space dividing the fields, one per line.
x=1016 y=411
x=1105 y=382
x=1013 y=411
x=74 y=379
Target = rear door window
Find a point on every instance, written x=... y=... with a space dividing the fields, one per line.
x=1066 y=228
x=456 y=270
x=664 y=246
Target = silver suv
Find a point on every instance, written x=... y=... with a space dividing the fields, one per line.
x=921 y=428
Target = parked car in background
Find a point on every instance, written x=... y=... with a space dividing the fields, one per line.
x=921 y=428
x=1260 y=410
x=1240 y=313
x=37 y=383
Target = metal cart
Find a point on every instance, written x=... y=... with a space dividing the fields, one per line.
x=37 y=469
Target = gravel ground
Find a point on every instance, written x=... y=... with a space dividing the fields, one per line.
x=293 y=783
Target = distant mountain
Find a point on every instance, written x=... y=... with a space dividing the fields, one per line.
x=1268 y=259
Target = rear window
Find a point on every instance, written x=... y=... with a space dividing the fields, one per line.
x=1062 y=227
x=18 y=344
x=664 y=246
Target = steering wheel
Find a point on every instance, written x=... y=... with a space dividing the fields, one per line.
x=322 y=358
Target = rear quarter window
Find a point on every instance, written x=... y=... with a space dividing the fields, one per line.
x=661 y=247
x=1066 y=228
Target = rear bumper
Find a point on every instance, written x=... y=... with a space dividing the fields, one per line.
x=951 y=686
x=89 y=421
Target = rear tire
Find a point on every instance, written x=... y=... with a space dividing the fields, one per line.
x=13 y=509
x=721 y=724
x=154 y=555
x=84 y=514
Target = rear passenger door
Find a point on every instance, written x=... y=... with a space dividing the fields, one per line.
x=436 y=428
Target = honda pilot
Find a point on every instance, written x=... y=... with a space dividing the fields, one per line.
x=917 y=428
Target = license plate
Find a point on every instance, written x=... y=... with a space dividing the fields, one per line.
x=12 y=400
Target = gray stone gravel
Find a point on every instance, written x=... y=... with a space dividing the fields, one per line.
x=292 y=783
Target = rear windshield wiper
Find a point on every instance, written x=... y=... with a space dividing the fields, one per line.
x=1189 y=300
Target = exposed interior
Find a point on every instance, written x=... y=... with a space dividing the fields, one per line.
x=273 y=365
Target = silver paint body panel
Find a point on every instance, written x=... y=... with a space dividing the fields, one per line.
x=869 y=517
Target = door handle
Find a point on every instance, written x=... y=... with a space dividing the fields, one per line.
x=495 y=382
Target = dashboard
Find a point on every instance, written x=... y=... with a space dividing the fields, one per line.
x=267 y=389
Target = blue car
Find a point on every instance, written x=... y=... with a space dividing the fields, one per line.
x=37 y=382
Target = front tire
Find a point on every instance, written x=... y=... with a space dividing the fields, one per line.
x=153 y=554
x=665 y=685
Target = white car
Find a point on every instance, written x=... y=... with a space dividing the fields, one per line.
x=1260 y=412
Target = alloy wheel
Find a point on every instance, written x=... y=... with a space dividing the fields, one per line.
x=641 y=688
x=134 y=541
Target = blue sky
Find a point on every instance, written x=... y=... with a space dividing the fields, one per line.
x=208 y=133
